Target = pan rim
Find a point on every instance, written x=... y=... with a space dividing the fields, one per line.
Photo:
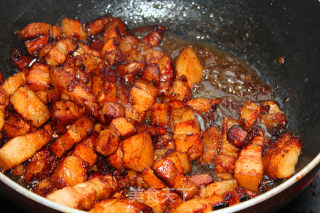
x=243 y=205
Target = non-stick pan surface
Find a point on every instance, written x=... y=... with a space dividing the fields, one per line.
x=258 y=32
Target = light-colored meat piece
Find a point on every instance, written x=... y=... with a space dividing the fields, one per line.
x=122 y=127
x=11 y=84
x=30 y=106
x=107 y=142
x=34 y=29
x=86 y=153
x=115 y=205
x=249 y=114
x=218 y=188
x=71 y=171
x=160 y=114
x=180 y=91
x=249 y=167
x=76 y=132
x=151 y=179
x=58 y=53
x=189 y=66
x=96 y=26
x=272 y=116
x=191 y=144
x=211 y=139
x=34 y=45
x=280 y=160
x=142 y=96
x=72 y=28
x=202 y=105
x=202 y=179
x=38 y=77
x=21 y=148
x=181 y=161
x=15 y=126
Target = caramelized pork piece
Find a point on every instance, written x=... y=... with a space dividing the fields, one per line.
x=107 y=142
x=20 y=60
x=142 y=96
x=11 y=84
x=47 y=96
x=192 y=145
x=15 y=126
x=40 y=166
x=30 y=106
x=159 y=200
x=115 y=29
x=280 y=160
x=151 y=73
x=115 y=205
x=167 y=170
x=34 y=29
x=129 y=71
x=71 y=28
x=218 y=188
x=180 y=91
x=189 y=66
x=96 y=26
x=55 y=32
x=181 y=161
x=138 y=152
x=110 y=111
x=237 y=136
x=71 y=171
x=151 y=179
x=160 y=114
x=85 y=152
x=127 y=45
x=44 y=187
x=272 y=117
x=64 y=113
x=202 y=105
x=154 y=38
x=105 y=91
x=84 y=195
x=153 y=130
x=38 y=77
x=76 y=132
x=200 y=205
x=167 y=74
x=34 y=45
x=4 y=101
x=248 y=168
x=122 y=127
x=201 y=179
x=78 y=92
x=58 y=53
x=21 y=148
x=211 y=139
x=249 y=114
x=228 y=153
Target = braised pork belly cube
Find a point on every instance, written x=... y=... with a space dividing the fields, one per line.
x=202 y=105
x=271 y=116
x=86 y=153
x=192 y=145
x=129 y=71
x=30 y=106
x=116 y=159
x=64 y=113
x=189 y=66
x=72 y=28
x=142 y=96
x=40 y=166
x=151 y=179
x=154 y=38
x=97 y=26
x=58 y=53
x=138 y=152
x=21 y=148
x=122 y=127
x=34 y=29
x=110 y=111
x=181 y=161
x=69 y=172
x=115 y=29
x=167 y=170
x=115 y=205
x=228 y=153
x=249 y=167
x=77 y=91
x=44 y=187
x=4 y=101
x=84 y=195
x=167 y=74
x=34 y=45
x=201 y=179
x=237 y=136
x=218 y=188
x=281 y=158
x=249 y=114
x=78 y=131
x=127 y=44
x=15 y=126
x=107 y=142
x=105 y=91
x=151 y=73
x=160 y=114
x=180 y=91
x=211 y=139
x=164 y=142
x=11 y=84
x=38 y=77
x=55 y=32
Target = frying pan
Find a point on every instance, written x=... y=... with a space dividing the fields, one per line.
x=258 y=32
